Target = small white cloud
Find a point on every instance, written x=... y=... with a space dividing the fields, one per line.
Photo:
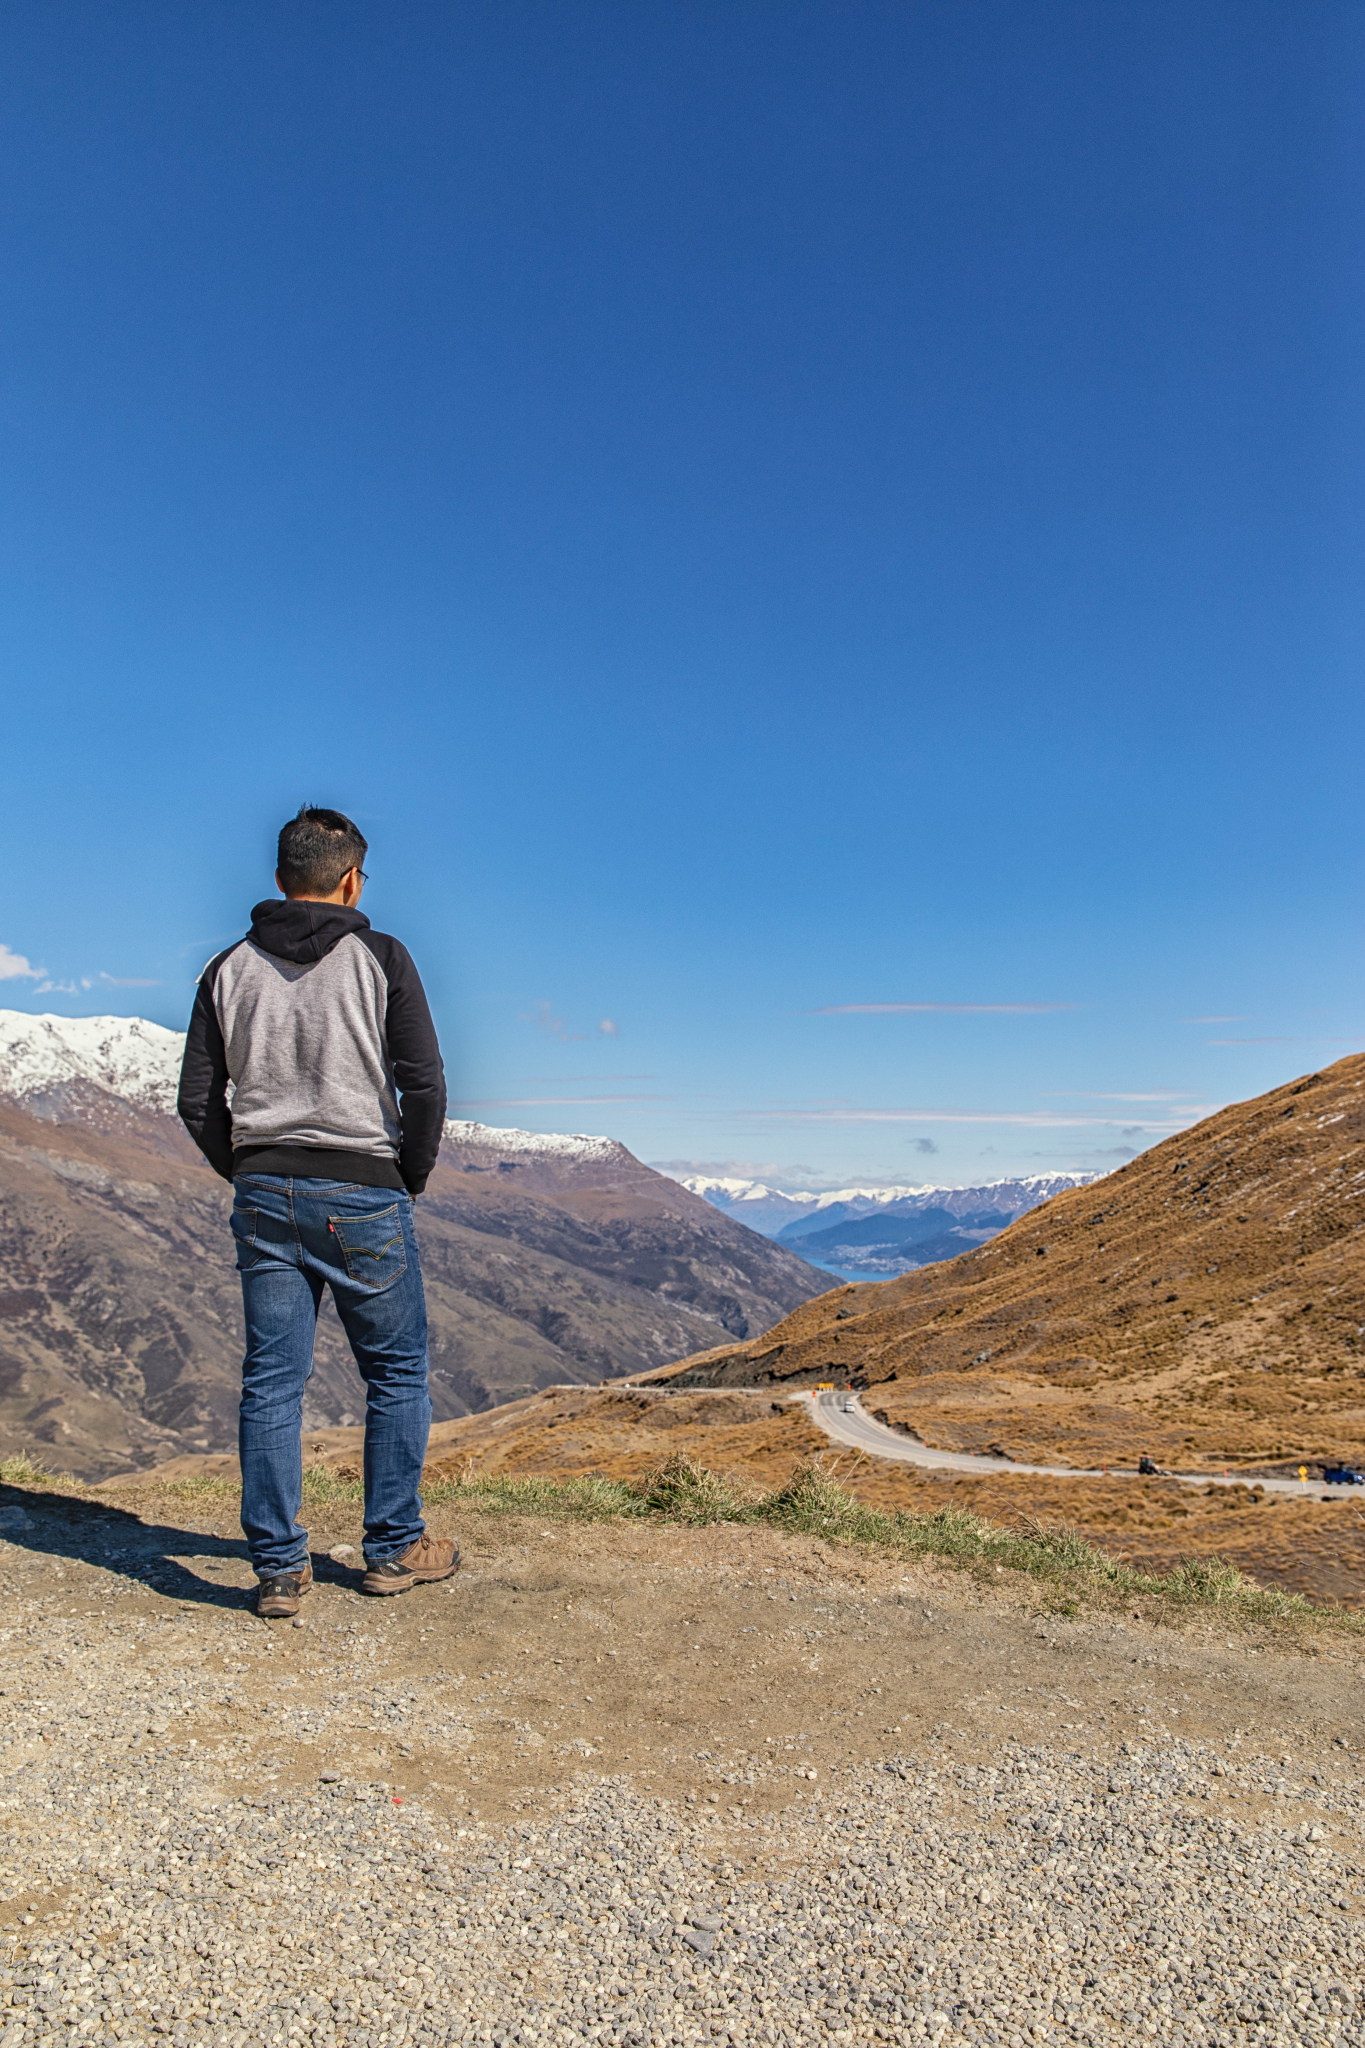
x=14 y=967
x=608 y=1029
x=124 y=981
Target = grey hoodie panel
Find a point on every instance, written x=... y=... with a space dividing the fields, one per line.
x=307 y=1050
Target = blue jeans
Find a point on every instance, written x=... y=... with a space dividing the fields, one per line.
x=295 y=1237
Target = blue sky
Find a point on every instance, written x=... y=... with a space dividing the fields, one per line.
x=765 y=514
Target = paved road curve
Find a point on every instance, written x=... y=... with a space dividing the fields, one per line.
x=842 y=1417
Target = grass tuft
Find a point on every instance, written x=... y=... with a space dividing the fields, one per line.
x=325 y=1488
x=21 y=1470
x=1209 y=1578
x=680 y=1490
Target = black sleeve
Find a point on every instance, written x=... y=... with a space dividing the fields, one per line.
x=202 y=1101
x=416 y=1060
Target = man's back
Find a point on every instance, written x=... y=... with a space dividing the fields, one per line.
x=319 y=1023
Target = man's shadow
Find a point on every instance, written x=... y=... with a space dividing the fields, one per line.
x=150 y=1554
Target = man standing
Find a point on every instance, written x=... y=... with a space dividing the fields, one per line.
x=321 y=1025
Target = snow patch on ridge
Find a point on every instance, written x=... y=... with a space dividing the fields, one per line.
x=126 y=1056
x=528 y=1144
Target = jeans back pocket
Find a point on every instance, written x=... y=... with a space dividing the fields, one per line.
x=373 y=1248
x=244 y=1231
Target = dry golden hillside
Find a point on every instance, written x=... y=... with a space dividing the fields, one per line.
x=1205 y=1304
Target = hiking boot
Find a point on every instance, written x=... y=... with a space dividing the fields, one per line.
x=278 y=1596
x=430 y=1557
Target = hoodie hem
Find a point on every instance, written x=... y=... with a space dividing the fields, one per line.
x=316 y=1162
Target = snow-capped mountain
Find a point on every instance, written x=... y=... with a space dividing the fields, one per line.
x=872 y=1233
x=1010 y=1197
x=763 y=1208
x=794 y=1212
x=47 y=1062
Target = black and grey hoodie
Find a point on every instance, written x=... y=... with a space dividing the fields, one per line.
x=320 y=1025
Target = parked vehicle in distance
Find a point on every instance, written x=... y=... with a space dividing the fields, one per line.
x=1342 y=1475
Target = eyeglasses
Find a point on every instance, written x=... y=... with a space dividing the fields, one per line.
x=362 y=874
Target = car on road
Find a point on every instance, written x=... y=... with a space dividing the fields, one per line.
x=1342 y=1475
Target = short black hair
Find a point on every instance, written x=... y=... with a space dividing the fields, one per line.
x=316 y=849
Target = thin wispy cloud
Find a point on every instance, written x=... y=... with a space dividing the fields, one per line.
x=608 y=1029
x=734 y=1169
x=1034 y=1119
x=1349 y=1044
x=1125 y=1095
x=579 y=1080
x=14 y=967
x=122 y=981
x=1257 y=1041
x=556 y=1101
x=937 y=1009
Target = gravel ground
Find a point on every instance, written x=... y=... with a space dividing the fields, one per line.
x=998 y=1875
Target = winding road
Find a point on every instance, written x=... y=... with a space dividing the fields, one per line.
x=843 y=1418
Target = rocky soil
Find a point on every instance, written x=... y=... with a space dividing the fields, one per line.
x=643 y=1784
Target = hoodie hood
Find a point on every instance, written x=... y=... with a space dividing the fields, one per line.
x=302 y=933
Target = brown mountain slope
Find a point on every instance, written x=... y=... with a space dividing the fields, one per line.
x=120 y=1314
x=1205 y=1304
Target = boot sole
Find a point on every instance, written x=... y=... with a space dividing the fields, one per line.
x=382 y=1587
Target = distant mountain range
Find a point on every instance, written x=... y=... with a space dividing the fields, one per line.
x=548 y=1259
x=875 y=1233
